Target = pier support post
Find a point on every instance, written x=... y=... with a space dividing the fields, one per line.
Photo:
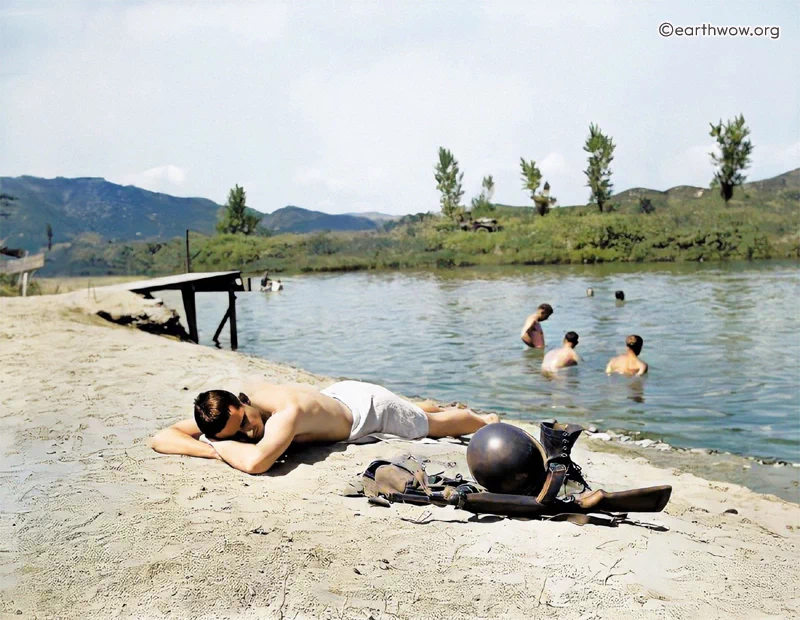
x=232 y=318
x=187 y=292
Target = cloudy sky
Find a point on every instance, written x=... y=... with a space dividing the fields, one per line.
x=342 y=106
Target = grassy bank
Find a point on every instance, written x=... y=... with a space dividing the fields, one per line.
x=688 y=224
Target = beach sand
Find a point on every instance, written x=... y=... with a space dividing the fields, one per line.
x=95 y=524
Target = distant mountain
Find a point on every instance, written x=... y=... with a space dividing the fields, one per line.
x=76 y=206
x=782 y=187
x=375 y=216
x=297 y=220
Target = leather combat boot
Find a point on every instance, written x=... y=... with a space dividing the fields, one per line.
x=557 y=440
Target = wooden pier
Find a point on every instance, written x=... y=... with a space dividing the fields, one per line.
x=190 y=283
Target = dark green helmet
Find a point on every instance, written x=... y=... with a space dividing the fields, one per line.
x=505 y=459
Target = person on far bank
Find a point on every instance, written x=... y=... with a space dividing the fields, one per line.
x=629 y=362
x=532 y=333
x=563 y=356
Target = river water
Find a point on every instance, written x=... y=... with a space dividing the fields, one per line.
x=722 y=342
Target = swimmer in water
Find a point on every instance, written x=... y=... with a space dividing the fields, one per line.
x=563 y=356
x=629 y=362
x=532 y=333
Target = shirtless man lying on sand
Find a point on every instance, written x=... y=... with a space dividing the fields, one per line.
x=250 y=432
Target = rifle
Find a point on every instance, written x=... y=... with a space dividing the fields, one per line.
x=649 y=499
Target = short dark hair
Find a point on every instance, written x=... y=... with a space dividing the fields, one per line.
x=212 y=411
x=634 y=343
x=620 y=295
x=546 y=308
x=572 y=338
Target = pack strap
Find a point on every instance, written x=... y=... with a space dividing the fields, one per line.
x=556 y=475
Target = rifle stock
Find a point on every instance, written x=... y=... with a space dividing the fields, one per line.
x=650 y=499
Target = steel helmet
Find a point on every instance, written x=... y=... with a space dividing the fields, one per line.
x=505 y=459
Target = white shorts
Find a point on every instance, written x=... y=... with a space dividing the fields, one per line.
x=377 y=411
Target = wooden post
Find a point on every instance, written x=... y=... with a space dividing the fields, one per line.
x=221 y=325
x=25 y=283
x=188 y=257
x=187 y=292
x=232 y=318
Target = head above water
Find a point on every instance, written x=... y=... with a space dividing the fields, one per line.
x=544 y=311
x=590 y=292
x=222 y=415
x=571 y=339
x=620 y=295
x=634 y=343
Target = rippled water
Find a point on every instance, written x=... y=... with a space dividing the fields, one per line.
x=722 y=343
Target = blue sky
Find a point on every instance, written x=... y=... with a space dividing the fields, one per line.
x=341 y=107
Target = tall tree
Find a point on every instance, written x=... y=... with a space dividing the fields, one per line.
x=49 y=237
x=236 y=219
x=734 y=155
x=448 y=182
x=601 y=153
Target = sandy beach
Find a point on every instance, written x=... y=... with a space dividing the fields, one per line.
x=95 y=524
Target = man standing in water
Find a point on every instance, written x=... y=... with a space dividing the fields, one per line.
x=251 y=432
x=532 y=333
x=629 y=363
x=564 y=356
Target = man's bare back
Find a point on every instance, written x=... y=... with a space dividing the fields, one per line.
x=563 y=356
x=559 y=358
x=626 y=365
x=318 y=416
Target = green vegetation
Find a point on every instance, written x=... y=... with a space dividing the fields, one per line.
x=685 y=224
x=734 y=157
x=601 y=153
x=235 y=218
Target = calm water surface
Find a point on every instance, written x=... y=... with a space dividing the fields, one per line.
x=722 y=343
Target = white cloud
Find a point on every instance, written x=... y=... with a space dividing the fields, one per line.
x=159 y=179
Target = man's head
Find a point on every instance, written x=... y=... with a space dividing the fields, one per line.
x=590 y=292
x=571 y=339
x=544 y=311
x=634 y=343
x=221 y=415
x=620 y=295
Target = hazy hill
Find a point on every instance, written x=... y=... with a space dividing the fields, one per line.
x=94 y=205
x=375 y=216
x=766 y=190
x=297 y=220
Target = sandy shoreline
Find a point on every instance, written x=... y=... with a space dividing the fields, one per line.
x=95 y=524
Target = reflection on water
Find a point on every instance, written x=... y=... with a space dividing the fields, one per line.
x=636 y=389
x=721 y=341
